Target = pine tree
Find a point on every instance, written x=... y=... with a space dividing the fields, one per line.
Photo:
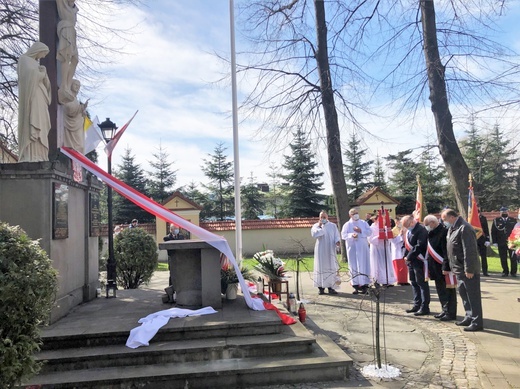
x=304 y=183
x=356 y=171
x=434 y=181
x=162 y=178
x=499 y=172
x=220 y=173
x=252 y=200
x=472 y=148
x=379 y=174
x=133 y=175
x=192 y=192
x=403 y=181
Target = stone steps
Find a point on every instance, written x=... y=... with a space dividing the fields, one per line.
x=234 y=348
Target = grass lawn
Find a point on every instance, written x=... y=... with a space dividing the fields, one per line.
x=307 y=263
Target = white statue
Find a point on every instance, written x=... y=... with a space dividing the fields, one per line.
x=67 y=49
x=73 y=118
x=34 y=98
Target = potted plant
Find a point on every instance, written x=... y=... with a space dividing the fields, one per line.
x=229 y=280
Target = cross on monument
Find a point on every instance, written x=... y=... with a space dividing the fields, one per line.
x=176 y=203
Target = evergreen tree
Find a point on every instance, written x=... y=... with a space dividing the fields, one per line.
x=499 y=172
x=252 y=200
x=304 y=183
x=220 y=173
x=379 y=174
x=472 y=148
x=192 y=192
x=403 y=181
x=133 y=175
x=434 y=181
x=356 y=171
x=162 y=178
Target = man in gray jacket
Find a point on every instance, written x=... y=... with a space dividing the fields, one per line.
x=464 y=262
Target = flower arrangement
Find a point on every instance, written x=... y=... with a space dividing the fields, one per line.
x=514 y=240
x=228 y=276
x=269 y=265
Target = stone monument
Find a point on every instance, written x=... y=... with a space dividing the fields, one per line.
x=40 y=193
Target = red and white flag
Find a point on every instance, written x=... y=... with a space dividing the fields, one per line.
x=112 y=144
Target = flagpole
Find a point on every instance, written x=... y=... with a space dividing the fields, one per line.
x=238 y=209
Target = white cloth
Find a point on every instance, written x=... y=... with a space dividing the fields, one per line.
x=325 y=259
x=357 y=251
x=381 y=267
x=140 y=336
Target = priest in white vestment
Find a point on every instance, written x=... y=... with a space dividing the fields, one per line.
x=356 y=233
x=325 y=259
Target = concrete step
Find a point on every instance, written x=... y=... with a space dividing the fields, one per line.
x=173 y=331
x=230 y=373
x=182 y=351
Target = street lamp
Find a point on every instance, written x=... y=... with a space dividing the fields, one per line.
x=108 y=129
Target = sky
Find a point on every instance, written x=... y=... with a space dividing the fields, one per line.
x=170 y=73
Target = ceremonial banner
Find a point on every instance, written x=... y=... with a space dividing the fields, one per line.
x=420 y=209
x=93 y=136
x=473 y=218
x=161 y=212
x=112 y=144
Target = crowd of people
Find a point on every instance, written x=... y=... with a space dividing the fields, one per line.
x=445 y=250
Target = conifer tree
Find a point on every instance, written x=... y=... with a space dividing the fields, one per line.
x=434 y=181
x=192 y=192
x=220 y=173
x=379 y=174
x=275 y=197
x=304 y=184
x=133 y=175
x=252 y=200
x=499 y=172
x=163 y=177
x=403 y=180
x=357 y=172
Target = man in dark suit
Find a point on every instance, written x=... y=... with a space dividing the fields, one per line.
x=463 y=256
x=438 y=264
x=416 y=243
x=483 y=243
x=500 y=231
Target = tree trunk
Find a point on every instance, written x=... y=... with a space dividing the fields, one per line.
x=339 y=186
x=455 y=165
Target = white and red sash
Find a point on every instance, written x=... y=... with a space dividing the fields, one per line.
x=451 y=280
x=434 y=254
x=408 y=247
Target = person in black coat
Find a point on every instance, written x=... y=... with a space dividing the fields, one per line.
x=500 y=231
x=437 y=264
x=416 y=244
x=483 y=242
x=174 y=234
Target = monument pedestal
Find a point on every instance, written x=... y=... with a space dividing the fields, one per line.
x=44 y=200
x=194 y=273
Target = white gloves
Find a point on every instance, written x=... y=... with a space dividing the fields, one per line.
x=487 y=244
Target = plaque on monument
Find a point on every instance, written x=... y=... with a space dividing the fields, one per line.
x=94 y=220
x=60 y=211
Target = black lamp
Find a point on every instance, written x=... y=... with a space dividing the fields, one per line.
x=108 y=129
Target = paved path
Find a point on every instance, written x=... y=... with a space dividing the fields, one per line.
x=429 y=353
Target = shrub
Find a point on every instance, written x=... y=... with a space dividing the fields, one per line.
x=136 y=255
x=28 y=285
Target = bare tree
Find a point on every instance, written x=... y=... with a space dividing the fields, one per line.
x=317 y=78
x=19 y=29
